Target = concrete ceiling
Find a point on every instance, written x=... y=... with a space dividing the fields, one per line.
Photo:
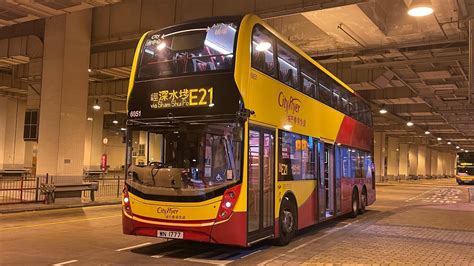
x=417 y=68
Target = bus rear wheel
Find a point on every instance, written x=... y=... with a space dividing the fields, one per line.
x=363 y=202
x=355 y=204
x=287 y=222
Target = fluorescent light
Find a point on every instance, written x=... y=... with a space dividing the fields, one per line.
x=449 y=142
x=123 y=129
x=427 y=132
x=216 y=47
x=90 y=119
x=115 y=122
x=161 y=46
x=383 y=111
x=420 y=11
x=410 y=123
x=457 y=147
x=439 y=138
x=466 y=151
x=263 y=46
x=89 y=70
x=287 y=127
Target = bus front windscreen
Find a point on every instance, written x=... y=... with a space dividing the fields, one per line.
x=184 y=160
x=193 y=50
x=466 y=171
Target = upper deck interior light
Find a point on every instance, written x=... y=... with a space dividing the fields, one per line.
x=263 y=46
x=420 y=8
x=161 y=46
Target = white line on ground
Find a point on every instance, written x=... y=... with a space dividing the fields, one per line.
x=161 y=255
x=327 y=233
x=421 y=194
x=214 y=262
x=65 y=262
x=132 y=247
x=257 y=251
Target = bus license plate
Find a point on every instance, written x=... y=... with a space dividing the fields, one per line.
x=169 y=234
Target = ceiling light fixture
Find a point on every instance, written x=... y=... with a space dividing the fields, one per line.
x=427 y=132
x=420 y=8
x=96 y=105
x=410 y=123
x=115 y=122
x=383 y=111
x=457 y=147
x=449 y=142
x=439 y=138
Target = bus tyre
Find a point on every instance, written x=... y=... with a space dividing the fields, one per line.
x=287 y=222
x=355 y=204
x=363 y=202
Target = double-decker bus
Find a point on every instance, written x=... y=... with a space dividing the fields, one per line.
x=234 y=135
x=465 y=168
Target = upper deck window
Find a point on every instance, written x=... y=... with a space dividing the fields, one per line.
x=192 y=50
x=263 y=57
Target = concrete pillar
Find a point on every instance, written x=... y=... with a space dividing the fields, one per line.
x=12 y=145
x=403 y=164
x=413 y=160
x=64 y=92
x=379 y=155
x=392 y=156
x=421 y=169
x=93 y=138
x=434 y=163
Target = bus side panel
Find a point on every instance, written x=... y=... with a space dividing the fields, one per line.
x=347 y=183
x=232 y=232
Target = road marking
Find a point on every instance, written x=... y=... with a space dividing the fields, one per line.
x=257 y=251
x=421 y=194
x=327 y=233
x=64 y=263
x=132 y=247
x=214 y=262
x=161 y=255
x=60 y=222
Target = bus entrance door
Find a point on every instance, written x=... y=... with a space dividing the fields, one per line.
x=326 y=186
x=261 y=174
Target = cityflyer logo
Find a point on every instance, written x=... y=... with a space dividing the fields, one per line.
x=170 y=213
x=290 y=105
x=167 y=211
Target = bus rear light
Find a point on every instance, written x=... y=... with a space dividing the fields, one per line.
x=228 y=202
x=126 y=201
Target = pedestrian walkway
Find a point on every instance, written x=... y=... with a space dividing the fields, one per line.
x=23 y=207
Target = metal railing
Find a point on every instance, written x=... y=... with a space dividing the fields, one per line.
x=26 y=188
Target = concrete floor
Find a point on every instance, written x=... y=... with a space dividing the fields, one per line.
x=428 y=222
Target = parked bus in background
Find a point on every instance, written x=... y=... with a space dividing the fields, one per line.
x=234 y=135
x=465 y=168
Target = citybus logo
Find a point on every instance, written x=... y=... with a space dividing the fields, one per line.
x=290 y=105
x=167 y=211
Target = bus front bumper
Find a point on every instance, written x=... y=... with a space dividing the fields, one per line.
x=465 y=179
x=231 y=231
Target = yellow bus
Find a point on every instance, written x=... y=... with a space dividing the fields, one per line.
x=465 y=168
x=234 y=135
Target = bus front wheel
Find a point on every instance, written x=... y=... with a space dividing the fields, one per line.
x=287 y=222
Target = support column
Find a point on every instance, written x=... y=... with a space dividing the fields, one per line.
x=64 y=92
x=434 y=163
x=379 y=155
x=412 y=160
x=93 y=139
x=403 y=165
x=421 y=169
x=392 y=157
x=12 y=145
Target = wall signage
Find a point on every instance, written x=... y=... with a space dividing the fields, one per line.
x=182 y=98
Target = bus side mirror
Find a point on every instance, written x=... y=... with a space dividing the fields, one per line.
x=238 y=134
